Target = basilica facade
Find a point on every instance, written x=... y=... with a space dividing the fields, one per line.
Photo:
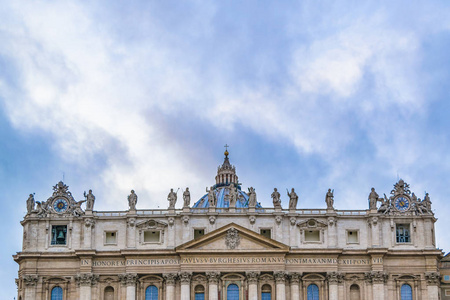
x=227 y=246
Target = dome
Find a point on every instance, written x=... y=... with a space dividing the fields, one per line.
x=222 y=199
x=226 y=175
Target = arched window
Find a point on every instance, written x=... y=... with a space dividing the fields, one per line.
x=199 y=291
x=232 y=292
x=151 y=293
x=312 y=292
x=354 y=292
x=109 y=293
x=406 y=292
x=266 y=292
x=57 y=293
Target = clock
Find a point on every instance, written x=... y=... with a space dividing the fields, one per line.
x=402 y=203
x=60 y=205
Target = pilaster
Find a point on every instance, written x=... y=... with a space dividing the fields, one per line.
x=170 y=279
x=280 y=279
x=213 y=282
x=129 y=280
x=30 y=282
x=252 y=279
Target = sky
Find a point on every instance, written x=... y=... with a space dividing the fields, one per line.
x=120 y=95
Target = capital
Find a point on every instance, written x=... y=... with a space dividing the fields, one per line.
x=433 y=278
x=376 y=277
x=335 y=277
x=294 y=277
x=86 y=279
x=128 y=278
x=30 y=280
x=213 y=277
x=185 y=277
x=280 y=276
x=170 y=278
x=252 y=277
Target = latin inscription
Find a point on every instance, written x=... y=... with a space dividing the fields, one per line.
x=230 y=260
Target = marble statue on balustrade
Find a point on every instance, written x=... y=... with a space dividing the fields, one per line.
x=293 y=199
x=276 y=199
x=76 y=208
x=373 y=199
x=427 y=202
x=172 y=198
x=385 y=206
x=251 y=197
x=30 y=204
x=90 y=200
x=232 y=195
x=329 y=199
x=186 y=198
x=211 y=197
x=132 y=200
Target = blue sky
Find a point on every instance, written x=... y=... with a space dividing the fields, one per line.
x=143 y=95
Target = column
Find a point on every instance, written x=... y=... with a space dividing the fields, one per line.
x=131 y=233
x=378 y=279
x=280 y=278
x=85 y=281
x=185 y=280
x=213 y=281
x=129 y=279
x=375 y=232
x=433 y=279
x=30 y=282
x=170 y=285
x=333 y=280
x=252 y=279
x=88 y=225
x=294 y=279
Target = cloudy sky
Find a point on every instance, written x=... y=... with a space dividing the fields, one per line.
x=120 y=95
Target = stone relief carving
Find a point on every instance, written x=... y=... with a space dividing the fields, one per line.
x=252 y=219
x=86 y=279
x=185 y=219
x=252 y=277
x=232 y=238
x=131 y=222
x=212 y=219
x=89 y=222
x=278 y=219
x=128 y=278
x=293 y=221
x=171 y=221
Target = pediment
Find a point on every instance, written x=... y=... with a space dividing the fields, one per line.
x=232 y=238
x=151 y=224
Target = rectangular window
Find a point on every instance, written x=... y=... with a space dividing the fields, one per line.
x=266 y=233
x=110 y=237
x=198 y=233
x=446 y=277
x=59 y=235
x=403 y=234
x=447 y=292
x=352 y=237
x=312 y=236
x=152 y=236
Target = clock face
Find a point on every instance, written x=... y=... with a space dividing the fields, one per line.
x=60 y=205
x=402 y=203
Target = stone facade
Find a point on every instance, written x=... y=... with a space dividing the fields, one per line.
x=181 y=254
